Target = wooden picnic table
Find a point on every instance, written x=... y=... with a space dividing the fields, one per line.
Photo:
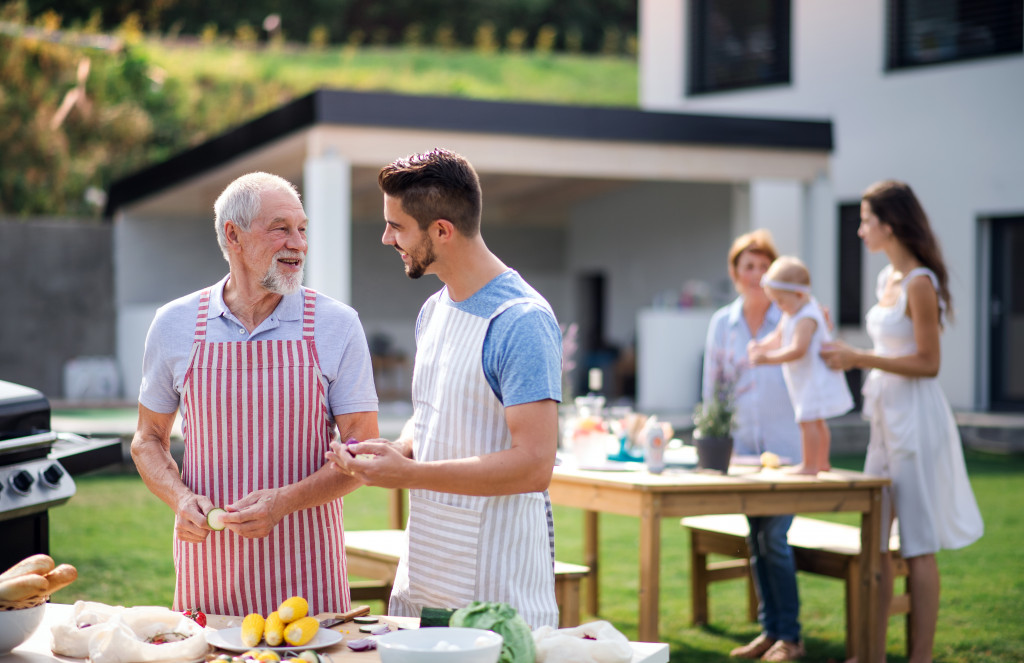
x=747 y=490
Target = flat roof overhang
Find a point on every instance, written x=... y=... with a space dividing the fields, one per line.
x=517 y=148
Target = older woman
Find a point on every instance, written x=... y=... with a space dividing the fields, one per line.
x=764 y=422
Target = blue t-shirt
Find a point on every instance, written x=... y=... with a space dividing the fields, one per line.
x=522 y=353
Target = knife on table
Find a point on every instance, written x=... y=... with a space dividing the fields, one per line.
x=343 y=617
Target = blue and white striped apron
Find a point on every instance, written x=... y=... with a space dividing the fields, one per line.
x=463 y=548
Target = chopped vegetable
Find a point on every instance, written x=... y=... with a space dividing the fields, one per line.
x=215 y=518
x=195 y=615
x=435 y=617
x=363 y=644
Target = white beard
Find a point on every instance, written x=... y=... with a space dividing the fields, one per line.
x=282 y=283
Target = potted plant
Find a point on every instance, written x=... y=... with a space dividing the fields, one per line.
x=714 y=419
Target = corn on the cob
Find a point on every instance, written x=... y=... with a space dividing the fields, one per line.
x=252 y=629
x=294 y=608
x=301 y=631
x=273 y=632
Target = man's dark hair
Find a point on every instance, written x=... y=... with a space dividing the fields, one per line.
x=439 y=184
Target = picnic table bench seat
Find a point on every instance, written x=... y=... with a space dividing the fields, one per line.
x=819 y=547
x=374 y=554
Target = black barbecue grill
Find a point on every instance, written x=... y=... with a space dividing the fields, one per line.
x=37 y=466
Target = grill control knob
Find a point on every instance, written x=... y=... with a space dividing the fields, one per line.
x=52 y=475
x=22 y=481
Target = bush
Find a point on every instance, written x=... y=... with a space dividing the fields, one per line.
x=319 y=37
x=515 y=40
x=546 y=36
x=486 y=40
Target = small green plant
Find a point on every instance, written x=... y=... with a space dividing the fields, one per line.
x=716 y=418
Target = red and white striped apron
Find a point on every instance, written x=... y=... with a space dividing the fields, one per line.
x=254 y=416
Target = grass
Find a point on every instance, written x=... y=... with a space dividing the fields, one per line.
x=119 y=536
x=223 y=85
x=527 y=76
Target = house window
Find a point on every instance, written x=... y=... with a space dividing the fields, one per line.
x=923 y=32
x=738 y=44
x=851 y=267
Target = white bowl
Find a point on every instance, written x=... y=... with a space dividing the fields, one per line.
x=17 y=625
x=421 y=645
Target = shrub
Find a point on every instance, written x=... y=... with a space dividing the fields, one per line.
x=515 y=40
x=319 y=37
x=485 y=39
x=546 y=36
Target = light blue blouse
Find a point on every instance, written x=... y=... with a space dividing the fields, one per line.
x=764 y=415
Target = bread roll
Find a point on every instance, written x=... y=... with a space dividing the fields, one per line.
x=38 y=564
x=23 y=587
x=61 y=577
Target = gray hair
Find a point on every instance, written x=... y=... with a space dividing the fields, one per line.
x=240 y=202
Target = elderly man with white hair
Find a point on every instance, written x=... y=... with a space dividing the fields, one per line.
x=265 y=373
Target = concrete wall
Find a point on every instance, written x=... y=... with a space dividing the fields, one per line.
x=57 y=299
x=953 y=131
x=649 y=239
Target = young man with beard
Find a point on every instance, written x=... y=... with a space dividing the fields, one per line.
x=478 y=453
x=263 y=372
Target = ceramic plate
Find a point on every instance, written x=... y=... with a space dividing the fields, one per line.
x=231 y=639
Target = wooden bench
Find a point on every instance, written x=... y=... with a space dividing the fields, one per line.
x=374 y=554
x=820 y=547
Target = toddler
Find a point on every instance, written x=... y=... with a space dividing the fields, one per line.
x=817 y=392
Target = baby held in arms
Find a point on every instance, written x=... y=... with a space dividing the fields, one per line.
x=816 y=391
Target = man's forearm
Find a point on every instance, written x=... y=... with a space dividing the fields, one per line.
x=158 y=470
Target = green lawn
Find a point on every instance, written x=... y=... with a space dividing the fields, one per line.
x=119 y=537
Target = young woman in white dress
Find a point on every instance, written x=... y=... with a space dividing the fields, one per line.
x=914 y=439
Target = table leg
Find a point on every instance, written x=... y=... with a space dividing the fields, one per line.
x=396 y=508
x=590 y=541
x=650 y=566
x=867 y=641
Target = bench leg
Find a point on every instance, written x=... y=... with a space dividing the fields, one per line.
x=590 y=548
x=753 y=603
x=698 y=582
x=567 y=594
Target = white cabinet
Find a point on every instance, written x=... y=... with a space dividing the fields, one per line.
x=670 y=345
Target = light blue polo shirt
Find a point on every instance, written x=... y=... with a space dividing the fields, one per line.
x=522 y=353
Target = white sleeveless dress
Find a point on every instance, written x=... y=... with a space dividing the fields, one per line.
x=914 y=440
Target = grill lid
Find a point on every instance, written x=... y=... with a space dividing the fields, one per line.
x=23 y=411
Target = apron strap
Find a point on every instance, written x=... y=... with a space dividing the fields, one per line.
x=204 y=309
x=308 y=313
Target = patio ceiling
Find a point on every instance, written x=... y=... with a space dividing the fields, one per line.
x=535 y=161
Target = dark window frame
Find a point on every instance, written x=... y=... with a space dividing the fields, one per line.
x=898 y=29
x=782 y=28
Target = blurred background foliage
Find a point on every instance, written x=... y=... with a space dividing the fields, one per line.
x=91 y=91
x=571 y=25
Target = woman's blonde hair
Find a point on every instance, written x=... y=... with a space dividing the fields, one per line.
x=757 y=241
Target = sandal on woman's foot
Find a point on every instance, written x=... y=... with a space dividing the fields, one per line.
x=755 y=648
x=784 y=651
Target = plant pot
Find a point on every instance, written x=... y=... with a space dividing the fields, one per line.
x=713 y=453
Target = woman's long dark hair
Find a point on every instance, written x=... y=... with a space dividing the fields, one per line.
x=895 y=205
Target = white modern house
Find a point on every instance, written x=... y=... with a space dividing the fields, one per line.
x=754 y=113
x=606 y=211
x=926 y=91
